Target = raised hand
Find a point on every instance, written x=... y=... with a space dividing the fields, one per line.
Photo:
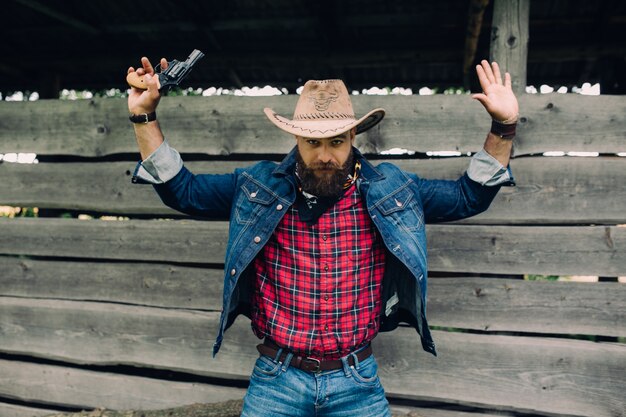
x=145 y=101
x=497 y=97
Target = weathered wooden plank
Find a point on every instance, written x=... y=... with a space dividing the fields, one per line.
x=527 y=306
x=11 y=410
x=549 y=190
x=533 y=375
x=585 y=250
x=233 y=125
x=479 y=303
x=101 y=396
x=61 y=386
x=149 y=284
x=504 y=372
x=521 y=250
x=435 y=412
x=509 y=40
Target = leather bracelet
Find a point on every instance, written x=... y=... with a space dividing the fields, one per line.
x=504 y=131
x=142 y=118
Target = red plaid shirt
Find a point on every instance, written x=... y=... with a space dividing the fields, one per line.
x=318 y=288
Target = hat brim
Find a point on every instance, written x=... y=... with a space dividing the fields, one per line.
x=324 y=128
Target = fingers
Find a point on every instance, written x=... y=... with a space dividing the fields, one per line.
x=507 y=80
x=482 y=77
x=152 y=83
x=496 y=72
x=147 y=66
x=488 y=71
x=163 y=63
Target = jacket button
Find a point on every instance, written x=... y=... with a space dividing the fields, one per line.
x=253 y=194
x=279 y=207
x=233 y=272
x=257 y=239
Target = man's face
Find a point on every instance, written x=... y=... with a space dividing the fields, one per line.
x=325 y=163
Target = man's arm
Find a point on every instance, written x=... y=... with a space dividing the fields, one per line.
x=501 y=104
x=198 y=195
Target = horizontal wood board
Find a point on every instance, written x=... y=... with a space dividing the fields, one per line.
x=12 y=410
x=488 y=304
x=61 y=386
x=121 y=392
x=549 y=190
x=234 y=125
x=504 y=372
x=558 y=250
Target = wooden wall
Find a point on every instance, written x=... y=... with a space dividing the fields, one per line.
x=122 y=314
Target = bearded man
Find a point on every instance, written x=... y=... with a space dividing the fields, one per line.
x=325 y=250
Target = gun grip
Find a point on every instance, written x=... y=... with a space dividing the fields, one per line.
x=135 y=80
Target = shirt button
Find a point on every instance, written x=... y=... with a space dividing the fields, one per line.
x=279 y=207
x=324 y=237
x=257 y=239
x=326 y=297
x=233 y=272
x=326 y=327
x=326 y=268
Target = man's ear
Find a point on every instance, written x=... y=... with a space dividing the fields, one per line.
x=352 y=134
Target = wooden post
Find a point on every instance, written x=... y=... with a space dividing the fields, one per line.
x=509 y=39
x=474 y=24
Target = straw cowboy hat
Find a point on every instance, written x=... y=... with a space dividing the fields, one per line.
x=324 y=110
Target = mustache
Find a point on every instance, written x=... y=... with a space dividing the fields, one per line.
x=325 y=166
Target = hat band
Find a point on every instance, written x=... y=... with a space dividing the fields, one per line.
x=325 y=115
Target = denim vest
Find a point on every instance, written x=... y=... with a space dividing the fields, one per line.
x=255 y=200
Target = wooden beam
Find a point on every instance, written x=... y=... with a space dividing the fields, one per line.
x=68 y=20
x=556 y=190
x=484 y=304
x=474 y=24
x=534 y=375
x=509 y=40
x=546 y=250
x=228 y=125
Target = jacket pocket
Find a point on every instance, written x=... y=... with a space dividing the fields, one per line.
x=402 y=208
x=253 y=198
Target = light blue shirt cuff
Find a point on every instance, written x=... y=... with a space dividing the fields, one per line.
x=161 y=166
x=487 y=170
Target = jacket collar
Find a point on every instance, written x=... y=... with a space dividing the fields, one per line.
x=368 y=171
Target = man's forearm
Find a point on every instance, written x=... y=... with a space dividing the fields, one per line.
x=149 y=137
x=499 y=148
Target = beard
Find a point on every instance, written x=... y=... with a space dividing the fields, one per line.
x=324 y=179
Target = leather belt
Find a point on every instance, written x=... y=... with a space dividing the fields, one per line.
x=269 y=348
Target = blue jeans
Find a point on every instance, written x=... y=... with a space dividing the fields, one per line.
x=277 y=389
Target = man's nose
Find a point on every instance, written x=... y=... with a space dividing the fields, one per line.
x=324 y=155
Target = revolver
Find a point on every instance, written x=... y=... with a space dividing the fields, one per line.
x=169 y=77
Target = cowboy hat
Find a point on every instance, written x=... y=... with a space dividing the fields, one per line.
x=324 y=110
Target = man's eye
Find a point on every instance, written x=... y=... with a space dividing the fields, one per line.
x=337 y=142
x=312 y=142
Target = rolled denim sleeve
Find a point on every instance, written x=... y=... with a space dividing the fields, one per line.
x=487 y=170
x=161 y=166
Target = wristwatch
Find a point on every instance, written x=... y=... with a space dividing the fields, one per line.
x=142 y=118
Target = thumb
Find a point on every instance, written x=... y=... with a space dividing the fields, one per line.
x=483 y=99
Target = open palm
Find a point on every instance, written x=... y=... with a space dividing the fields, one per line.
x=497 y=96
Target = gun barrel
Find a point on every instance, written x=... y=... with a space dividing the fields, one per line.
x=194 y=56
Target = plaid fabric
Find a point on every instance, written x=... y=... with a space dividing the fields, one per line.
x=318 y=288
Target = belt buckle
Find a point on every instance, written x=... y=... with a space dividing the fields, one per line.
x=315 y=362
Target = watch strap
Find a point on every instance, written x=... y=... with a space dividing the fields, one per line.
x=142 y=118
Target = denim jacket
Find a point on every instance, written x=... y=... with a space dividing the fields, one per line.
x=399 y=204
